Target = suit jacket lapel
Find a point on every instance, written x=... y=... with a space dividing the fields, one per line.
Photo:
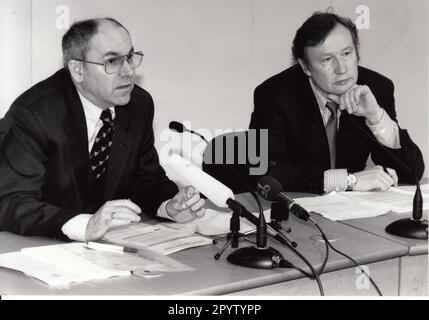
x=119 y=153
x=76 y=136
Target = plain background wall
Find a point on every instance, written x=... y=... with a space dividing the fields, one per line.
x=15 y=50
x=203 y=58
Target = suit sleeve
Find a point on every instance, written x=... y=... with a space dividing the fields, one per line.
x=151 y=186
x=294 y=176
x=408 y=160
x=23 y=159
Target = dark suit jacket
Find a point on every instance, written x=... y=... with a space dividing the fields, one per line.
x=298 y=147
x=44 y=159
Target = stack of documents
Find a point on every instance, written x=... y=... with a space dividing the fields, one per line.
x=62 y=264
x=355 y=205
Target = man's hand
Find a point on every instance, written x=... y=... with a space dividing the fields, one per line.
x=186 y=205
x=111 y=214
x=375 y=179
x=359 y=101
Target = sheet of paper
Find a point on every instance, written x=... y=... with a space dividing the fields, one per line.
x=48 y=273
x=398 y=199
x=159 y=238
x=336 y=206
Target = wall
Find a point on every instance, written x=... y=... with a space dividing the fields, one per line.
x=204 y=58
x=15 y=50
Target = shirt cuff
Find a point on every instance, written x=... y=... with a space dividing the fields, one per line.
x=335 y=180
x=386 y=132
x=75 y=228
x=162 y=211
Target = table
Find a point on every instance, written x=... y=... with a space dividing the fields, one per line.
x=381 y=256
x=413 y=267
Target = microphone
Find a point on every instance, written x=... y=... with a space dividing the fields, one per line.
x=180 y=128
x=270 y=189
x=218 y=193
x=417 y=226
x=176 y=126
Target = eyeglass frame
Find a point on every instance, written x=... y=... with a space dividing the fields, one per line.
x=125 y=57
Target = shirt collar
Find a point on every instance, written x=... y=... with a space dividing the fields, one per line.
x=320 y=97
x=92 y=114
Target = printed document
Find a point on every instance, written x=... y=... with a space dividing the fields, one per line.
x=354 y=205
x=160 y=238
x=62 y=264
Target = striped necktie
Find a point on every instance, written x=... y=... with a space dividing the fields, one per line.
x=100 y=151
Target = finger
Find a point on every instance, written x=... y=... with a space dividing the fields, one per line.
x=123 y=209
x=386 y=179
x=125 y=214
x=342 y=105
x=200 y=213
x=393 y=175
x=347 y=104
x=352 y=100
x=190 y=202
x=198 y=205
x=119 y=222
x=380 y=184
x=361 y=91
x=356 y=95
x=382 y=181
x=124 y=203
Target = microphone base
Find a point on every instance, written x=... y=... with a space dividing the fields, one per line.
x=409 y=228
x=252 y=257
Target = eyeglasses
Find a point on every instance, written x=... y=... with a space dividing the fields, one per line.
x=113 y=65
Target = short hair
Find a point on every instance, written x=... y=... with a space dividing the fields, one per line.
x=76 y=40
x=316 y=29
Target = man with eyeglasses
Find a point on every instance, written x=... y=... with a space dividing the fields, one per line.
x=78 y=157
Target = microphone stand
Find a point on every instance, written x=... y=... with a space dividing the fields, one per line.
x=415 y=227
x=234 y=235
x=260 y=256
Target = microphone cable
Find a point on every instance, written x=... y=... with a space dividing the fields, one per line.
x=315 y=275
x=346 y=256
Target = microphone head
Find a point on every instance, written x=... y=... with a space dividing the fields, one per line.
x=176 y=126
x=269 y=188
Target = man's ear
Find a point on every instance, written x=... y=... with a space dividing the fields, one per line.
x=304 y=67
x=76 y=70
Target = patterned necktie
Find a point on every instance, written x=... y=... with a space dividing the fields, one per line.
x=331 y=131
x=100 y=151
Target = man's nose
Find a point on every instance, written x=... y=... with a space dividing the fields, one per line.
x=341 y=66
x=126 y=69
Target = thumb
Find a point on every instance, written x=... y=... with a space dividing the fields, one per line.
x=189 y=191
x=334 y=98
